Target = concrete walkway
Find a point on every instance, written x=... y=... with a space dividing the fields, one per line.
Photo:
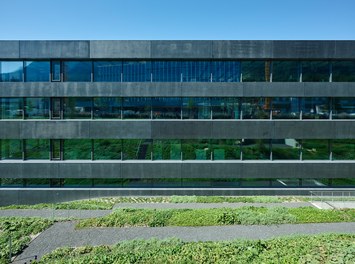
x=63 y=234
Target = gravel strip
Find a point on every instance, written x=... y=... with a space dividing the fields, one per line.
x=54 y=214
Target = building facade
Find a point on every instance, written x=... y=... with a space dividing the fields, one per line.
x=83 y=119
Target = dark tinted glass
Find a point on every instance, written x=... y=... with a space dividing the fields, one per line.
x=285 y=71
x=167 y=149
x=256 y=149
x=107 y=107
x=343 y=71
x=196 y=108
x=343 y=108
x=315 y=149
x=209 y=182
x=137 y=71
x=285 y=149
x=343 y=149
x=10 y=182
x=77 y=149
x=285 y=108
x=56 y=71
x=166 y=107
x=255 y=71
x=225 y=149
x=107 y=149
x=196 y=71
x=11 y=71
x=107 y=71
x=77 y=107
x=137 y=149
x=225 y=108
x=136 y=108
x=225 y=71
x=11 y=108
x=11 y=149
x=315 y=107
x=56 y=145
x=37 y=108
x=84 y=183
x=37 y=149
x=35 y=182
x=37 y=71
x=167 y=71
x=77 y=71
x=315 y=71
x=196 y=149
x=107 y=182
x=256 y=108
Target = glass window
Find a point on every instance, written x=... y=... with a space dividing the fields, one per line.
x=37 y=149
x=315 y=107
x=256 y=108
x=285 y=149
x=255 y=71
x=136 y=108
x=343 y=182
x=11 y=71
x=225 y=71
x=343 y=149
x=11 y=108
x=56 y=71
x=36 y=182
x=77 y=149
x=137 y=149
x=107 y=149
x=315 y=182
x=77 y=71
x=11 y=182
x=11 y=149
x=77 y=107
x=315 y=71
x=98 y=182
x=343 y=71
x=127 y=183
x=36 y=108
x=167 y=71
x=196 y=149
x=37 y=71
x=256 y=149
x=137 y=71
x=107 y=107
x=78 y=183
x=285 y=71
x=285 y=108
x=210 y=182
x=166 y=107
x=225 y=149
x=56 y=149
x=196 y=71
x=225 y=108
x=56 y=106
x=250 y=182
x=107 y=71
x=167 y=149
x=315 y=149
x=196 y=108
x=343 y=108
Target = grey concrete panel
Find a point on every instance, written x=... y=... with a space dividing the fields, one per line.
x=228 y=169
x=155 y=169
x=303 y=49
x=76 y=169
x=181 y=49
x=326 y=89
x=344 y=129
x=324 y=169
x=242 y=129
x=208 y=89
x=181 y=129
x=275 y=89
x=105 y=169
x=101 y=49
x=11 y=169
x=242 y=49
x=10 y=129
x=40 y=170
x=147 y=89
x=54 y=49
x=344 y=49
x=271 y=169
x=121 y=129
x=197 y=169
x=9 y=49
x=320 y=130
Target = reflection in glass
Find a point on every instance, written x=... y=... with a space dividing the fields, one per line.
x=37 y=71
x=343 y=182
x=225 y=149
x=56 y=71
x=166 y=107
x=343 y=149
x=11 y=149
x=77 y=149
x=77 y=107
x=107 y=149
x=210 y=182
x=37 y=182
x=99 y=182
x=37 y=149
x=315 y=71
x=11 y=71
x=315 y=149
x=285 y=149
x=166 y=149
x=315 y=107
x=285 y=71
x=37 y=108
x=56 y=108
x=225 y=71
x=196 y=71
x=196 y=149
x=256 y=149
x=137 y=149
x=11 y=108
x=107 y=107
x=107 y=71
x=255 y=71
x=256 y=108
x=343 y=71
x=77 y=71
x=196 y=108
x=56 y=149
x=225 y=108
x=167 y=71
x=136 y=108
x=11 y=182
x=285 y=108
x=343 y=108
x=77 y=183
x=137 y=71
x=259 y=182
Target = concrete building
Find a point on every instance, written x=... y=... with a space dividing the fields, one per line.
x=83 y=119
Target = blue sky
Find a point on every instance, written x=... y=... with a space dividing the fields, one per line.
x=177 y=19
